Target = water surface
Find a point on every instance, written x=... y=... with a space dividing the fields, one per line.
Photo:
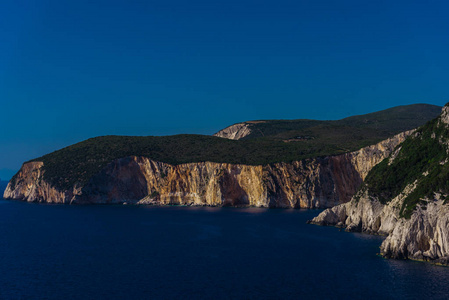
x=145 y=252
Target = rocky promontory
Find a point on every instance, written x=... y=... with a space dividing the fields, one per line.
x=425 y=236
x=405 y=198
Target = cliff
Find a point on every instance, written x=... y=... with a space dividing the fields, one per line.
x=310 y=183
x=235 y=132
x=404 y=198
x=424 y=237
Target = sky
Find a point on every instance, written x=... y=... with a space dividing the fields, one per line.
x=71 y=70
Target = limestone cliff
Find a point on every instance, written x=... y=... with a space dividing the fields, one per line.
x=416 y=217
x=29 y=185
x=312 y=183
x=235 y=132
x=425 y=236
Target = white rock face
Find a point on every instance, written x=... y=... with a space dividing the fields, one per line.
x=235 y=132
x=361 y=214
x=366 y=158
x=444 y=117
x=425 y=236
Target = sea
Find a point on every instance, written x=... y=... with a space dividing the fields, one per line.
x=174 y=252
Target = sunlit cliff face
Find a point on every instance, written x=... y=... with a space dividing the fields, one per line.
x=313 y=183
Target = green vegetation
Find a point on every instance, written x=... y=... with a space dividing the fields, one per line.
x=421 y=159
x=396 y=119
x=79 y=162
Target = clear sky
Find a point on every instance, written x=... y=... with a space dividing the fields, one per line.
x=70 y=70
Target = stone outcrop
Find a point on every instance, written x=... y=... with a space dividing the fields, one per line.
x=423 y=235
x=312 y=183
x=29 y=185
x=235 y=132
x=364 y=214
x=444 y=116
x=366 y=158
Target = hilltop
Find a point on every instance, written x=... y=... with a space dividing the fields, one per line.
x=392 y=120
x=79 y=162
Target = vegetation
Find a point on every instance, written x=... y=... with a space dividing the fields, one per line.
x=79 y=162
x=396 y=119
x=422 y=159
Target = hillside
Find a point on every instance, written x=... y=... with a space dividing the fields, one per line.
x=79 y=162
x=422 y=161
x=392 y=120
x=405 y=197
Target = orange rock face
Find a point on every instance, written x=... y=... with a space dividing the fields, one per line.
x=312 y=183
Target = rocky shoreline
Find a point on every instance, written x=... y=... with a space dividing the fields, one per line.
x=423 y=237
x=415 y=220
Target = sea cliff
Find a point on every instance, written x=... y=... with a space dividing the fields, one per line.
x=425 y=236
x=405 y=198
x=312 y=183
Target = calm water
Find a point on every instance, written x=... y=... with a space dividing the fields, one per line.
x=136 y=252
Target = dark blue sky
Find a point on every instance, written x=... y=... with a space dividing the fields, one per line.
x=70 y=70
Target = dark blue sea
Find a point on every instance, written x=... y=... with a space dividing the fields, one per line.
x=145 y=252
